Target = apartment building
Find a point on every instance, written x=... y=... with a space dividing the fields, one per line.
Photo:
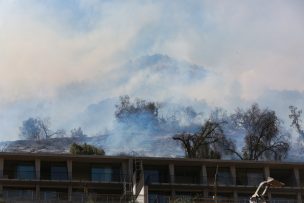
x=28 y=177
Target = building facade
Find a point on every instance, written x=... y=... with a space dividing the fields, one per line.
x=68 y=178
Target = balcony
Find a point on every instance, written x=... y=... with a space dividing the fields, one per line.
x=281 y=198
x=159 y=197
x=156 y=174
x=19 y=170
x=186 y=197
x=48 y=195
x=54 y=171
x=249 y=177
x=188 y=175
x=19 y=194
x=221 y=176
x=85 y=195
x=98 y=173
x=52 y=194
x=286 y=176
x=244 y=197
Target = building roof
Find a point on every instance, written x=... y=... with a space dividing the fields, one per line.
x=154 y=160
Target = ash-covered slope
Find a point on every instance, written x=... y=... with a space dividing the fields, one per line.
x=53 y=145
x=164 y=146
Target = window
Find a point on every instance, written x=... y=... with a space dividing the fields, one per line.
x=53 y=194
x=151 y=176
x=224 y=177
x=20 y=193
x=101 y=174
x=220 y=176
x=280 y=198
x=244 y=197
x=249 y=176
x=254 y=178
x=187 y=196
x=186 y=175
x=26 y=172
x=59 y=173
x=156 y=174
x=49 y=195
x=285 y=176
x=158 y=198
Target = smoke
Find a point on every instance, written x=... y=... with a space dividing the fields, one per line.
x=45 y=46
x=71 y=60
x=171 y=83
x=147 y=127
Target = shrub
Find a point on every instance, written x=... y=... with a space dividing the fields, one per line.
x=85 y=149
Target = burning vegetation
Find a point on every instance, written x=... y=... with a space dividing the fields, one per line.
x=254 y=133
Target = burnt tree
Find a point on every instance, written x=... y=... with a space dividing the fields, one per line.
x=264 y=135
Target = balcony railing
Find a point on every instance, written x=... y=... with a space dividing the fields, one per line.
x=61 y=197
x=219 y=180
x=78 y=197
x=193 y=199
x=246 y=180
x=53 y=195
x=151 y=178
x=104 y=198
x=102 y=177
x=63 y=176
x=188 y=199
x=19 y=174
x=18 y=195
x=189 y=179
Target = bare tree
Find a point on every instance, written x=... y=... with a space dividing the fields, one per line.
x=38 y=129
x=47 y=132
x=264 y=137
x=209 y=142
x=295 y=116
x=78 y=133
x=3 y=148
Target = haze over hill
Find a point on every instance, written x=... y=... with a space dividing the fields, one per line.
x=70 y=61
x=157 y=78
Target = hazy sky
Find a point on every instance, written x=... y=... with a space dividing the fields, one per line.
x=54 y=48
